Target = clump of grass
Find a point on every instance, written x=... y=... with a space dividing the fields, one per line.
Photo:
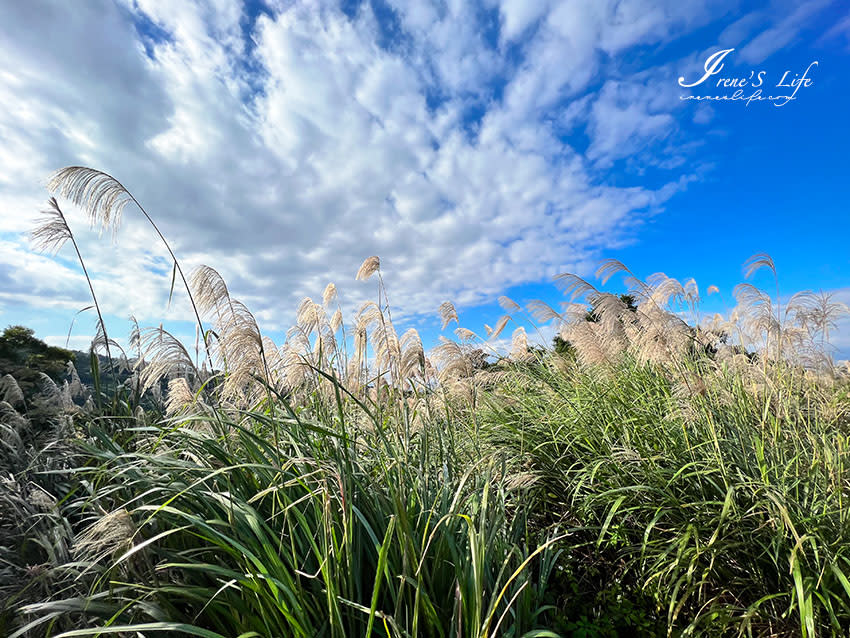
x=670 y=474
x=712 y=477
x=322 y=533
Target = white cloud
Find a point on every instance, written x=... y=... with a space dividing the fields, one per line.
x=783 y=31
x=284 y=149
x=623 y=120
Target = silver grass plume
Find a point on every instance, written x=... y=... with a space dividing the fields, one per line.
x=386 y=346
x=521 y=480
x=499 y=327
x=336 y=320
x=757 y=262
x=49 y=393
x=276 y=364
x=543 y=312
x=368 y=314
x=412 y=355
x=357 y=365
x=755 y=314
x=822 y=314
x=508 y=304
x=295 y=370
x=608 y=268
x=572 y=311
x=209 y=289
x=311 y=318
x=109 y=535
x=368 y=268
x=103 y=198
x=65 y=397
x=168 y=356
x=447 y=314
x=519 y=345
x=658 y=336
x=52 y=231
x=329 y=295
x=179 y=397
x=99 y=194
x=614 y=320
x=451 y=360
x=692 y=291
x=589 y=341
x=326 y=344
x=663 y=290
x=11 y=417
x=50 y=235
x=102 y=342
x=10 y=391
x=308 y=315
x=298 y=339
x=241 y=346
x=573 y=285
x=134 y=338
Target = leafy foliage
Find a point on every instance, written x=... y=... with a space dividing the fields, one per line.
x=24 y=356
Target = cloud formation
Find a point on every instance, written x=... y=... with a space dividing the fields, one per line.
x=470 y=145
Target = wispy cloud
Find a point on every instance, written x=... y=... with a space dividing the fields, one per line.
x=782 y=31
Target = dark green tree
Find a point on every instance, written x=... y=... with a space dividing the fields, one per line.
x=23 y=356
x=563 y=347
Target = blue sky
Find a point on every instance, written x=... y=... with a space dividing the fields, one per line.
x=479 y=148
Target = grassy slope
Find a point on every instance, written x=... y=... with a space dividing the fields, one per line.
x=570 y=499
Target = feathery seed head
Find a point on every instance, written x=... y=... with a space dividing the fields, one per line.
x=167 y=356
x=608 y=268
x=542 y=312
x=98 y=193
x=758 y=261
x=336 y=320
x=328 y=295
x=447 y=314
x=369 y=267
x=508 y=304
x=464 y=334
x=519 y=345
x=52 y=231
x=208 y=289
x=179 y=396
x=573 y=285
x=10 y=391
x=109 y=535
x=308 y=315
x=499 y=327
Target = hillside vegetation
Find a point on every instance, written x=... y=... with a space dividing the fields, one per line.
x=657 y=472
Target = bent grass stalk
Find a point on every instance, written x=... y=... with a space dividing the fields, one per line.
x=104 y=198
x=49 y=236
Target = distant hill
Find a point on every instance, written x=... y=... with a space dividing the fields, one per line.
x=26 y=358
